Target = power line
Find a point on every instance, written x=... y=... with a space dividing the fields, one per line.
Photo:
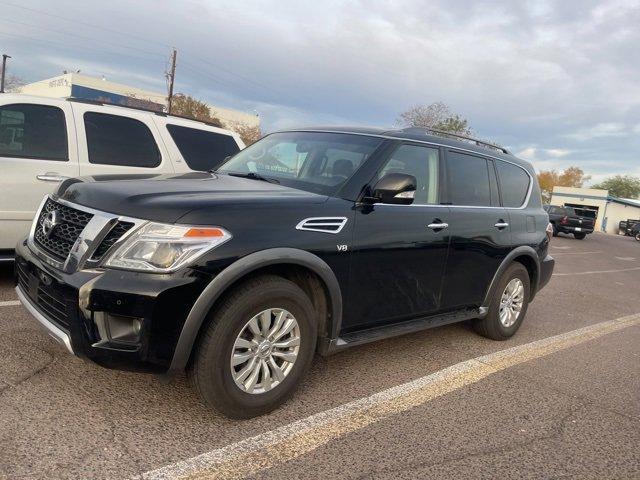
x=75 y=47
x=80 y=22
x=83 y=37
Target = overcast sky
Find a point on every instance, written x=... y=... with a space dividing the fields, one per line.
x=556 y=81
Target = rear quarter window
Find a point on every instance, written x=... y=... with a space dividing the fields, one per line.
x=514 y=184
x=201 y=149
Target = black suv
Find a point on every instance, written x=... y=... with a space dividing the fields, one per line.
x=307 y=241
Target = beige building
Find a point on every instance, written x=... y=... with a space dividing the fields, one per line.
x=77 y=85
x=609 y=210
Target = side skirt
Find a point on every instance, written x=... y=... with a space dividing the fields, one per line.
x=328 y=346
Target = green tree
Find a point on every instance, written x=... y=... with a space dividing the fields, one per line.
x=187 y=106
x=623 y=186
x=436 y=115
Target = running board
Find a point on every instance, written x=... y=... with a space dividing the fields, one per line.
x=388 y=331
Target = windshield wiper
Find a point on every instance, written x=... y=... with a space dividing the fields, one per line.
x=253 y=176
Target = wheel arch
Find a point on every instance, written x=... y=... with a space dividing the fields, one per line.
x=524 y=255
x=311 y=272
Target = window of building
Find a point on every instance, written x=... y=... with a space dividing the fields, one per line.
x=117 y=140
x=514 y=184
x=33 y=131
x=468 y=178
x=422 y=163
x=201 y=149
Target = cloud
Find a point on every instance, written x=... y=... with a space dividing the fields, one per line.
x=558 y=77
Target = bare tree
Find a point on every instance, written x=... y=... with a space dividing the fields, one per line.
x=437 y=116
x=248 y=133
x=13 y=83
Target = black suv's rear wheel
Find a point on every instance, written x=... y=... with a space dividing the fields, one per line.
x=579 y=236
x=256 y=348
x=508 y=306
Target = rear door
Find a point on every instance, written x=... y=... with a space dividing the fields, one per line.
x=479 y=229
x=398 y=260
x=37 y=152
x=114 y=140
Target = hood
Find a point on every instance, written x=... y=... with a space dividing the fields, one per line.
x=166 y=198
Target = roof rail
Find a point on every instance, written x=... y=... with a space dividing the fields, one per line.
x=149 y=110
x=457 y=136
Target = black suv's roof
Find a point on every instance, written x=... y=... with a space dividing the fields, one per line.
x=422 y=135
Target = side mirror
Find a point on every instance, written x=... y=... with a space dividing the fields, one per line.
x=395 y=188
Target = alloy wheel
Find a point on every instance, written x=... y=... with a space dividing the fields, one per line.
x=511 y=302
x=265 y=351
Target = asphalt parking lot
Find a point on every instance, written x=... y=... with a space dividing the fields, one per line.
x=564 y=404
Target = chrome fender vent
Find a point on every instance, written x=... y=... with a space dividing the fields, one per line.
x=322 y=224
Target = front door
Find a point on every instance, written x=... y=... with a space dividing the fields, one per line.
x=37 y=152
x=399 y=251
x=479 y=229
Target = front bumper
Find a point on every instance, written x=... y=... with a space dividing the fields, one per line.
x=59 y=335
x=74 y=309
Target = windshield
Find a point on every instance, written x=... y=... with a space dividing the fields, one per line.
x=312 y=161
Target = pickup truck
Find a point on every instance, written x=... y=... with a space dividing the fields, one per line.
x=626 y=227
x=567 y=220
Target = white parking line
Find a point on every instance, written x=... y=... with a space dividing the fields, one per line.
x=596 y=271
x=298 y=438
x=577 y=253
x=9 y=303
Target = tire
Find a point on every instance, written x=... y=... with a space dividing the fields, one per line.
x=210 y=370
x=638 y=237
x=555 y=230
x=491 y=326
x=579 y=236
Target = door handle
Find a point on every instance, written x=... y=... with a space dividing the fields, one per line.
x=438 y=225
x=51 y=177
x=501 y=224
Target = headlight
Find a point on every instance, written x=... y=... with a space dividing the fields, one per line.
x=157 y=247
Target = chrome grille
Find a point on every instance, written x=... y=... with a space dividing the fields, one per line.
x=59 y=242
x=112 y=237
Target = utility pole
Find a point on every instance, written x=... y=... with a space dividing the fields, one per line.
x=171 y=77
x=4 y=71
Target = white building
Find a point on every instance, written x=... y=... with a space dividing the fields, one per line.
x=610 y=210
x=76 y=85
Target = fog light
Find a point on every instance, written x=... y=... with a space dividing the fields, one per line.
x=117 y=328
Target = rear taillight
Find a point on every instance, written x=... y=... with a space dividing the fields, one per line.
x=564 y=220
x=549 y=231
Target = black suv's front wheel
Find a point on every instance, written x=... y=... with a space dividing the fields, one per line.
x=508 y=306
x=257 y=346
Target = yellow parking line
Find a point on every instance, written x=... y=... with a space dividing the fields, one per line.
x=596 y=271
x=291 y=441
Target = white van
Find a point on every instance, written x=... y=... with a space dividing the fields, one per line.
x=44 y=141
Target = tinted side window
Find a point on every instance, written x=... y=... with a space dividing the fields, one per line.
x=422 y=163
x=202 y=150
x=468 y=178
x=116 y=140
x=514 y=183
x=33 y=131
